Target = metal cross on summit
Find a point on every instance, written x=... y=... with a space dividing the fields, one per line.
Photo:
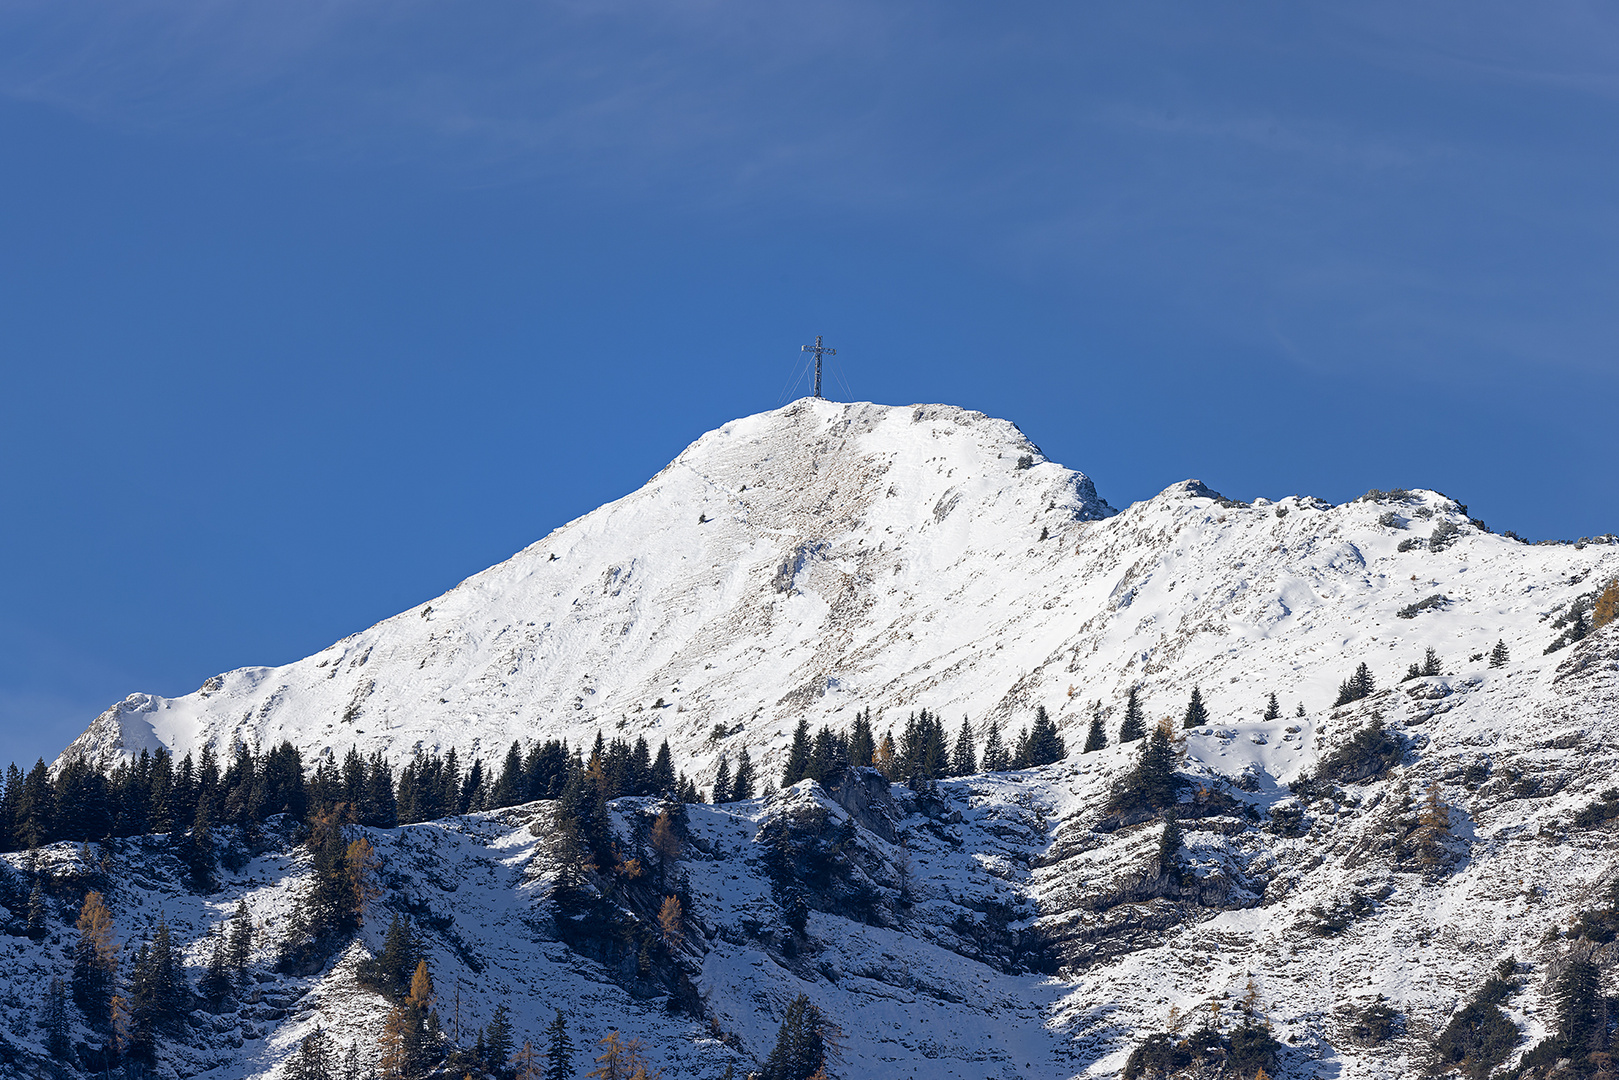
x=818 y=349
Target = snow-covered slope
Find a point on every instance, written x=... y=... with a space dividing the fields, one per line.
x=826 y=557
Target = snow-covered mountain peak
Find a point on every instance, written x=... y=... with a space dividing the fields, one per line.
x=828 y=557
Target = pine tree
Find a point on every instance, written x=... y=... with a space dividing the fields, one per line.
x=1499 y=654
x=1135 y=724
x=722 y=781
x=1430 y=663
x=1273 y=708
x=1196 y=714
x=995 y=758
x=964 y=762
x=797 y=757
x=559 y=1050
x=1097 y=739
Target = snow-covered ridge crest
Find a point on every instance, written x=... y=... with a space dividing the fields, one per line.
x=825 y=557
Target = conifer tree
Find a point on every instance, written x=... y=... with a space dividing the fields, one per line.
x=722 y=781
x=1499 y=654
x=1097 y=738
x=1169 y=847
x=964 y=762
x=95 y=961
x=1135 y=724
x=861 y=744
x=313 y=1059
x=1045 y=745
x=526 y=1063
x=559 y=1050
x=1606 y=608
x=742 y=783
x=216 y=981
x=622 y=1060
x=1582 y=1020
x=671 y=922
x=55 y=1022
x=1433 y=829
x=1430 y=663
x=995 y=758
x=885 y=760
x=801 y=1048
x=798 y=756
x=663 y=771
x=239 y=943
x=1158 y=769
x=497 y=1037
x=38 y=912
x=1273 y=708
x=1196 y=714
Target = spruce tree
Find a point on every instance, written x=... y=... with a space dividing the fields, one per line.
x=964 y=762
x=38 y=912
x=559 y=1050
x=55 y=1022
x=1158 y=769
x=1273 y=708
x=1169 y=847
x=861 y=744
x=798 y=756
x=239 y=943
x=1499 y=654
x=1582 y=1020
x=497 y=1038
x=742 y=782
x=1430 y=663
x=801 y=1044
x=663 y=771
x=1097 y=739
x=1135 y=724
x=995 y=756
x=1045 y=745
x=1196 y=714
x=722 y=781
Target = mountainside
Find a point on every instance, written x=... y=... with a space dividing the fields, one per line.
x=827 y=557
x=1043 y=922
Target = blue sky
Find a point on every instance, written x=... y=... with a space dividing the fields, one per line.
x=310 y=310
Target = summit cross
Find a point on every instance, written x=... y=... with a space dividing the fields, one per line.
x=818 y=349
